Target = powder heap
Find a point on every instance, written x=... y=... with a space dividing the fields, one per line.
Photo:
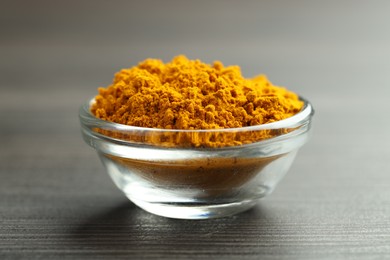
x=189 y=94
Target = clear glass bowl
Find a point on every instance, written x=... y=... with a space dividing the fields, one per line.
x=196 y=174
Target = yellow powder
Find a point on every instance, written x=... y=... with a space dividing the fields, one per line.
x=188 y=94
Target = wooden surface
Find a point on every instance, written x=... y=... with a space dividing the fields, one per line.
x=56 y=201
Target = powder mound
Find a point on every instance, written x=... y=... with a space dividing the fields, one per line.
x=189 y=94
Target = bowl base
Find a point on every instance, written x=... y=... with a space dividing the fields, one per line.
x=194 y=210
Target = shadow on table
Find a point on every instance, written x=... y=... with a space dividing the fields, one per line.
x=126 y=229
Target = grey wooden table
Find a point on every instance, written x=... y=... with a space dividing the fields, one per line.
x=56 y=200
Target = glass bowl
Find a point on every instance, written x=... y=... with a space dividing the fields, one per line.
x=196 y=174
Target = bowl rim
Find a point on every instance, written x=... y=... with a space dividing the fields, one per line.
x=300 y=118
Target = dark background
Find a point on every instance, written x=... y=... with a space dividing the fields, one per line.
x=55 y=197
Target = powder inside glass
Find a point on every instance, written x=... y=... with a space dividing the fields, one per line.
x=190 y=95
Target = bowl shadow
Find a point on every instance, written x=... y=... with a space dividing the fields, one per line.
x=127 y=230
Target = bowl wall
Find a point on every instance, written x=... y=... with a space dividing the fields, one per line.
x=168 y=173
x=204 y=188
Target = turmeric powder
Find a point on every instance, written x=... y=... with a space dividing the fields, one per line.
x=191 y=95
